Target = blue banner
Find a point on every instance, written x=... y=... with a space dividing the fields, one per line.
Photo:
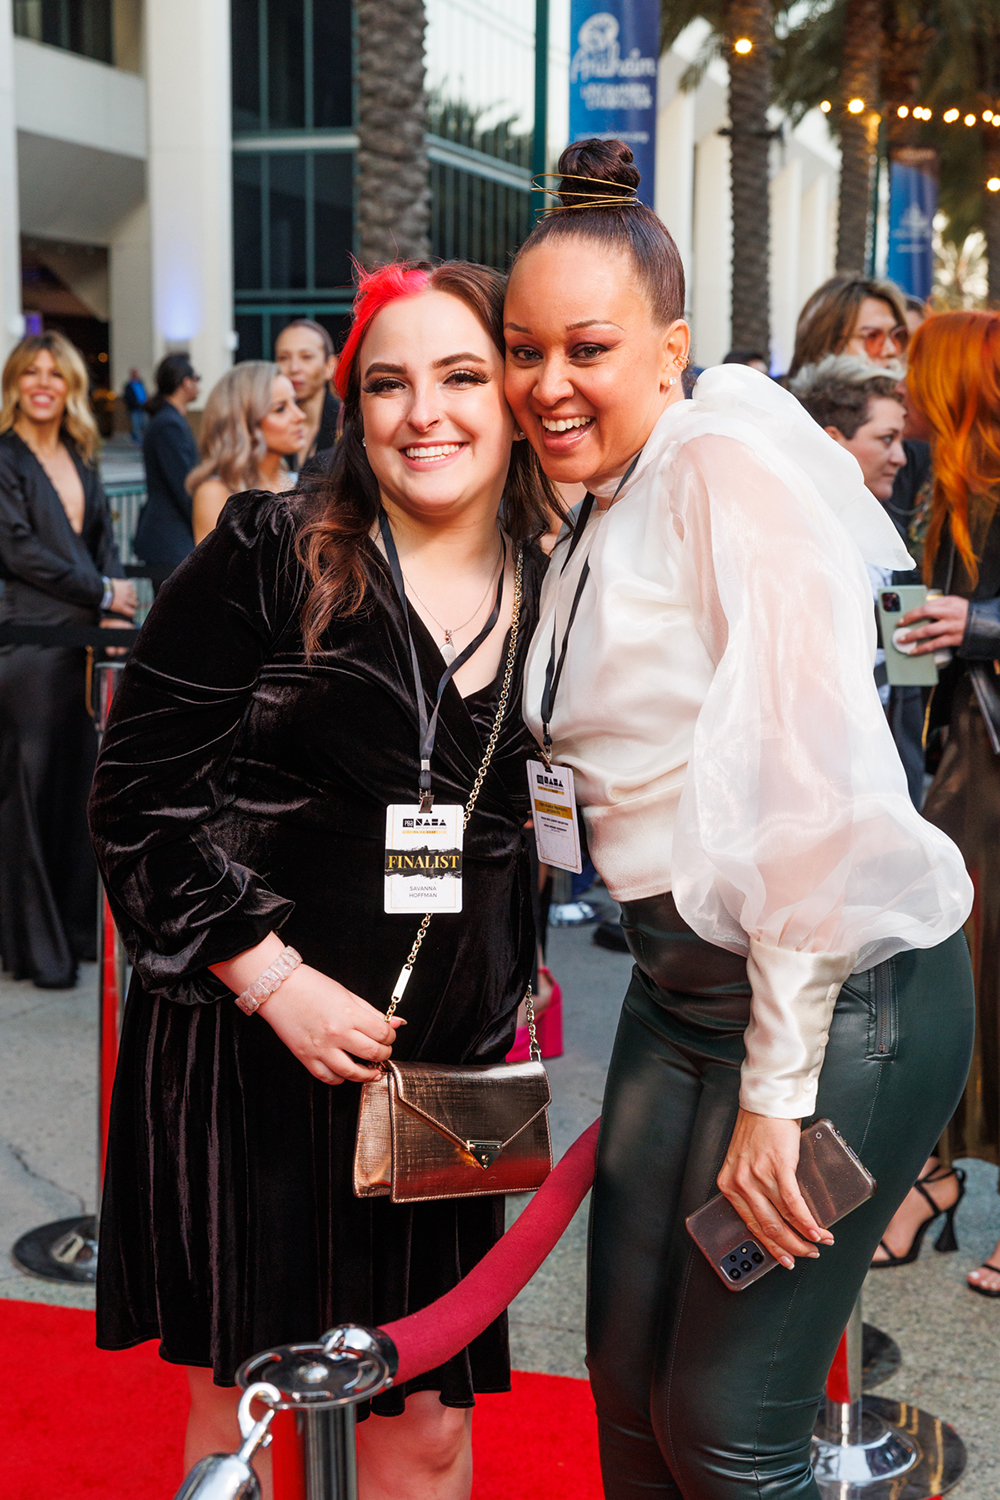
x=913 y=191
x=612 y=77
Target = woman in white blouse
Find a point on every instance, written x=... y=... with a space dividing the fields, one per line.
x=795 y=923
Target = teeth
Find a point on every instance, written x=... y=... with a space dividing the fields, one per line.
x=443 y=451
x=564 y=424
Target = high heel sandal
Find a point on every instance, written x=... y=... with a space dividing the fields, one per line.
x=947 y=1241
x=548 y=1027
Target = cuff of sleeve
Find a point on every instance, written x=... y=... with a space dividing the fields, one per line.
x=981 y=640
x=793 y=999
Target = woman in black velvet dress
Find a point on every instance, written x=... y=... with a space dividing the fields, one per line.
x=265 y=720
x=59 y=563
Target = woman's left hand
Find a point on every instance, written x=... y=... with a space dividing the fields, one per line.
x=940 y=623
x=758 y=1178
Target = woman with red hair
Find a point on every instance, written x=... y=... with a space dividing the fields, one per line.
x=266 y=720
x=954 y=386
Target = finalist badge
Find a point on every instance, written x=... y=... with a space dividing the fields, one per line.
x=423 y=858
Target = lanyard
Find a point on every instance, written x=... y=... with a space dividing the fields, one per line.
x=553 y=672
x=428 y=726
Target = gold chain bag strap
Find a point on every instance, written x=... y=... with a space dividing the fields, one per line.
x=435 y=1130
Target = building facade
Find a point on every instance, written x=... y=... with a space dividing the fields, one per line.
x=190 y=174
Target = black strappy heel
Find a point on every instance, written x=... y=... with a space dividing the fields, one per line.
x=947 y=1240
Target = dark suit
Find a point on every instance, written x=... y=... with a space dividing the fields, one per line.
x=164 y=537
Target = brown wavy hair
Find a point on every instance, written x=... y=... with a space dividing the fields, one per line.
x=342 y=509
x=78 y=422
x=828 y=317
x=954 y=378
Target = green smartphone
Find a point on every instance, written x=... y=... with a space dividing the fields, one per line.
x=900 y=669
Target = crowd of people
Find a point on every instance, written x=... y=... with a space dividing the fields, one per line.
x=506 y=497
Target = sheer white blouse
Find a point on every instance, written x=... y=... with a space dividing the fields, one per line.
x=718 y=709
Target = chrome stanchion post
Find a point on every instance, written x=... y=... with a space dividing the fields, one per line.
x=67 y=1249
x=319 y=1385
x=228 y=1476
x=873 y=1448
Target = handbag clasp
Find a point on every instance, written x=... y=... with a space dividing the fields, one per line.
x=484 y=1153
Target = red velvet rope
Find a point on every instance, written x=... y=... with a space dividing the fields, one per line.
x=436 y=1333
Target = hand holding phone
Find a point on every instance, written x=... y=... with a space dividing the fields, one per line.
x=832 y=1181
x=902 y=667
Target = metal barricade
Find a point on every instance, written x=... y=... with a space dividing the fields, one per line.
x=311 y=1391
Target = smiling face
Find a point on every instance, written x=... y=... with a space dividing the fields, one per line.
x=589 y=370
x=284 y=427
x=877 y=334
x=41 y=390
x=878 y=444
x=437 y=428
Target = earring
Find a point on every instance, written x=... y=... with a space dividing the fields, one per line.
x=672 y=380
x=363 y=443
x=519 y=436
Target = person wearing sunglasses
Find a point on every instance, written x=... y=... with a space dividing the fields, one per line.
x=852 y=315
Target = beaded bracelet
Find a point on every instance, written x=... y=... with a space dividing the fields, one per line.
x=272 y=979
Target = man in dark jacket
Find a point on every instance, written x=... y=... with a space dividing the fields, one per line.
x=163 y=536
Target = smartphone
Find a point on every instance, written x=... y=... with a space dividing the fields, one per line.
x=832 y=1181
x=900 y=669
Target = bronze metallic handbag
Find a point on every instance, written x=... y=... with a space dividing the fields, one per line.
x=438 y=1130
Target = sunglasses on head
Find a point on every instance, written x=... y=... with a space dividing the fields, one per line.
x=875 y=339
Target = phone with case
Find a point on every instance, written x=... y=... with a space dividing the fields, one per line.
x=902 y=670
x=832 y=1181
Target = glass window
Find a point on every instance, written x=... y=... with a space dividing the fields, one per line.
x=246 y=64
x=333 y=173
x=286 y=79
x=82 y=26
x=287 y=215
x=249 y=327
x=248 y=271
x=333 y=102
x=481 y=75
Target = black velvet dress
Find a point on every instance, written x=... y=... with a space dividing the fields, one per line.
x=48 y=745
x=239 y=790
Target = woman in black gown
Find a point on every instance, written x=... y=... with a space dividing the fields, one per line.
x=58 y=560
x=242 y=789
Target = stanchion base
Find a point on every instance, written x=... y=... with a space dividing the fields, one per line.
x=64 y=1251
x=880 y=1357
x=902 y=1453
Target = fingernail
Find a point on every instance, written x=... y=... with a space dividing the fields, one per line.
x=814 y=1255
x=787 y=1262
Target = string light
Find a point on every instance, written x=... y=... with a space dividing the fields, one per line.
x=987 y=114
x=970 y=119
x=826 y=106
x=902 y=111
x=743 y=46
x=994 y=184
x=856 y=106
x=950 y=115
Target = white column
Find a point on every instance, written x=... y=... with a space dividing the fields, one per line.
x=132 y=334
x=190 y=181
x=786 y=212
x=11 y=319
x=712 y=252
x=675 y=172
x=816 y=241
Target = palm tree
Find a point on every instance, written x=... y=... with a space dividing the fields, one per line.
x=393 y=181
x=750 y=70
x=859 y=81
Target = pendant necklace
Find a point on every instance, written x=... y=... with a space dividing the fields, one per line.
x=449 y=650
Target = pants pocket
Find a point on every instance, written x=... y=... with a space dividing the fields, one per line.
x=883 y=1027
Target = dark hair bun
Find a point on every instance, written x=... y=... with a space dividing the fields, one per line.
x=608 y=164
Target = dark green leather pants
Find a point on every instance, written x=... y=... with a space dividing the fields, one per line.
x=708 y=1394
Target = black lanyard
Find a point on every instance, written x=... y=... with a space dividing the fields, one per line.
x=553 y=672
x=428 y=726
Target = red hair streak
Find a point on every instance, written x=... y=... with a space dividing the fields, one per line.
x=376 y=289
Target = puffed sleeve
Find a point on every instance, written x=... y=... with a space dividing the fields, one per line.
x=794 y=833
x=27 y=558
x=179 y=901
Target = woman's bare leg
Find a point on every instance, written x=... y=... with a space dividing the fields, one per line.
x=425 y=1454
x=213 y=1428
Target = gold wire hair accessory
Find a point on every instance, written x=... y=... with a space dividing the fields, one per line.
x=627 y=198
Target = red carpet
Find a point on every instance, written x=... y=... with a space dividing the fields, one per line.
x=81 y=1424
